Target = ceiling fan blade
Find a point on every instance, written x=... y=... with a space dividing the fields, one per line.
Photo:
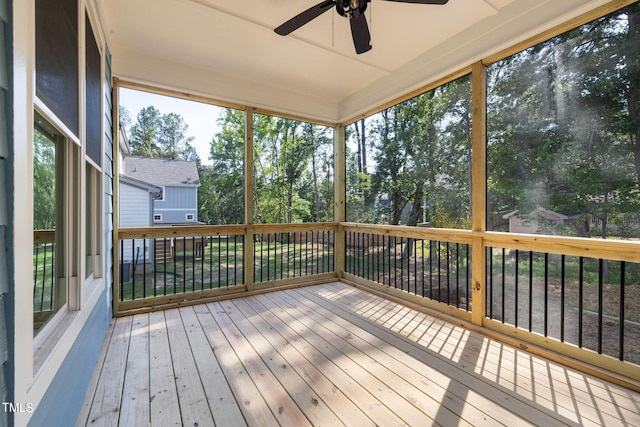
x=422 y=1
x=303 y=18
x=360 y=33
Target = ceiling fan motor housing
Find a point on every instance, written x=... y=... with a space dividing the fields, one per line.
x=351 y=8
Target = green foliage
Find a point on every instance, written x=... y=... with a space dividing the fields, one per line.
x=158 y=135
x=564 y=129
x=293 y=171
x=421 y=153
x=221 y=193
x=44 y=182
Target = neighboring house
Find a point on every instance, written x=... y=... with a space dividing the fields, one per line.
x=136 y=210
x=179 y=182
x=530 y=223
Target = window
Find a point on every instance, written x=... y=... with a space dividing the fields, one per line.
x=157 y=217
x=55 y=195
x=93 y=154
x=190 y=217
x=93 y=223
x=57 y=59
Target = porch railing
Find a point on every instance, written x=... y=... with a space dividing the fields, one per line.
x=43 y=270
x=564 y=294
x=417 y=261
x=165 y=265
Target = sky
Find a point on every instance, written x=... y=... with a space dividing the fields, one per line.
x=201 y=118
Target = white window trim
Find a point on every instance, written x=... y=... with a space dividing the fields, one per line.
x=193 y=217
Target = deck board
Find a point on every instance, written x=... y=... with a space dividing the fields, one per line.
x=332 y=355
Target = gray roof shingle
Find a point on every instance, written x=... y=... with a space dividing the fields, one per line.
x=162 y=172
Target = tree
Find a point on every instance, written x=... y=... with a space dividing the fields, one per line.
x=564 y=126
x=158 y=135
x=44 y=182
x=221 y=194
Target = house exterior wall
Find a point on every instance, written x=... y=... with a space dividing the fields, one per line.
x=50 y=389
x=108 y=177
x=6 y=194
x=138 y=210
x=138 y=206
x=176 y=204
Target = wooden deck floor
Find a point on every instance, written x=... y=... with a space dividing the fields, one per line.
x=332 y=355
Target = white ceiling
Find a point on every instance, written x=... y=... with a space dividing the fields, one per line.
x=227 y=50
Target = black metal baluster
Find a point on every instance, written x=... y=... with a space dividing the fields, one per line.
x=193 y=263
x=288 y=252
x=235 y=260
x=468 y=291
x=415 y=266
x=164 y=263
x=621 y=315
x=227 y=263
x=121 y=270
x=299 y=234
x=35 y=275
x=516 y=277
x=210 y=246
x=439 y=270
x=395 y=261
x=269 y=256
x=503 y=283
x=281 y=253
x=600 y=302
x=448 y=255
x=184 y=264
x=457 y=275
x=431 y=255
x=422 y=272
x=202 y=260
x=562 y=296
x=546 y=294
x=580 y=300
x=530 y=291
x=133 y=269
x=244 y=264
x=144 y=268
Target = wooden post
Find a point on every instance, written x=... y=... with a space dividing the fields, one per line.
x=249 y=261
x=479 y=190
x=115 y=155
x=339 y=195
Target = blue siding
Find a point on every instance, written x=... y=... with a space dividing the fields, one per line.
x=6 y=195
x=64 y=397
x=107 y=166
x=177 y=203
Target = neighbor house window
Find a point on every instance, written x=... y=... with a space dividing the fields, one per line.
x=157 y=217
x=190 y=217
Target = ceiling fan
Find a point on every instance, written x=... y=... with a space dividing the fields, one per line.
x=353 y=10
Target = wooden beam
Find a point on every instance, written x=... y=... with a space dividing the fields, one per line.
x=249 y=184
x=478 y=190
x=339 y=195
x=115 y=155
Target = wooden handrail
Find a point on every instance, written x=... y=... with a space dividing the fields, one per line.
x=44 y=236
